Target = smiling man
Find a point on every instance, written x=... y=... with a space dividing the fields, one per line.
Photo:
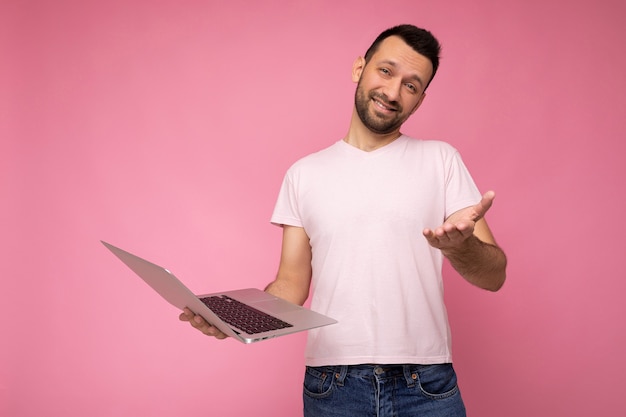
x=366 y=223
x=390 y=89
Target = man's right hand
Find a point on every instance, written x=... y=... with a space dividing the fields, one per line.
x=198 y=322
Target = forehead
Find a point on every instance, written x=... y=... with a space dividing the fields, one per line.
x=395 y=51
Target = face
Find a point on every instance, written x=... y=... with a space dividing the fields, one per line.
x=390 y=86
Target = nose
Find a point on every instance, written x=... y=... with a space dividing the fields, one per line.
x=392 y=89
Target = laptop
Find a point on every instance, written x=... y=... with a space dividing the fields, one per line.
x=248 y=315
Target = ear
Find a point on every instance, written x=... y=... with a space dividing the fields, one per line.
x=419 y=103
x=357 y=69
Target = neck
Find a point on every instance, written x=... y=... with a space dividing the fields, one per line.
x=364 y=139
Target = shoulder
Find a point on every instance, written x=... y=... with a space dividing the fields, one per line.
x=436 y=149
x=430 y=145
x=319 y=158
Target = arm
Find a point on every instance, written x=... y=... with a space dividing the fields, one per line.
x=294 y=271
x=466 y=240
x=292 y=281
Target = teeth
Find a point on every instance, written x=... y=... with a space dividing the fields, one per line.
x=381 y=105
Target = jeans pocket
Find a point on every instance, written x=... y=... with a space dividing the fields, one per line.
x=437 y=381
x=318 y=381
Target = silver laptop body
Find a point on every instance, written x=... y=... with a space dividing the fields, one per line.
x=295 y=317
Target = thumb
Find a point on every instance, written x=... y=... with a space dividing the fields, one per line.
x=485 y=204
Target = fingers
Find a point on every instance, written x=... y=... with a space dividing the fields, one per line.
x=197 y=322
x=451 y=230
x=186 y=315
x=449 y=235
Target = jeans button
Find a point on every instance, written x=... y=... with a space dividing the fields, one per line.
x=378 y=370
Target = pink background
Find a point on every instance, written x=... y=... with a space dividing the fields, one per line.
x=165 y=127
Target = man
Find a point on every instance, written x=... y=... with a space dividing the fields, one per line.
x=357 y=220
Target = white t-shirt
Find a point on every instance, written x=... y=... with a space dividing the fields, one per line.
x=373 y=270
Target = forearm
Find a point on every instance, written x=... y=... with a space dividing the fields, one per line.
x=482 y=264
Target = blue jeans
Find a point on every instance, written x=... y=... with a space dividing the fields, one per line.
x=382 y=391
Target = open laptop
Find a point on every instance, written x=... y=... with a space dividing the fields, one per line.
x=248 y=315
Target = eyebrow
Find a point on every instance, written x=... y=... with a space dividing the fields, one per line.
x=395 y=65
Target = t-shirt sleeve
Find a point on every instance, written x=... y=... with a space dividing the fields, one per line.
x=286 y=209
x=461 y=191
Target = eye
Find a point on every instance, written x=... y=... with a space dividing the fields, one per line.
x=411 y=87
x=385 y=71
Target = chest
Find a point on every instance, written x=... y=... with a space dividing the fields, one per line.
x=394 y=193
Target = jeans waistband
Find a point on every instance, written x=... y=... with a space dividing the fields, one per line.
x=409 y=372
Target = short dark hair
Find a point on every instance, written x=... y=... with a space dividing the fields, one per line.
x=422 y=41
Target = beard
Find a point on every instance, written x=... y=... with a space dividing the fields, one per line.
x=377 y=122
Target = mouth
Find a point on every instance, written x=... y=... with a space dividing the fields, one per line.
x=383 y=105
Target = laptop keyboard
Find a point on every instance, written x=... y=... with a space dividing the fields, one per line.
x=242 y=316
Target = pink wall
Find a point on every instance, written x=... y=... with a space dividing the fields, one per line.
x=165 y=127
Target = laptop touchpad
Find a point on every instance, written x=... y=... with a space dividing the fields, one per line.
x=275 y=306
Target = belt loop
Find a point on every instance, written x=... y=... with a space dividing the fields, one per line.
x=340 y=374
x=410 y=375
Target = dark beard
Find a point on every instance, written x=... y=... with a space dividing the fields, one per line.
x=371 y=121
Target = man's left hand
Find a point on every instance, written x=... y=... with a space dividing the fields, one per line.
x=460 y=225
